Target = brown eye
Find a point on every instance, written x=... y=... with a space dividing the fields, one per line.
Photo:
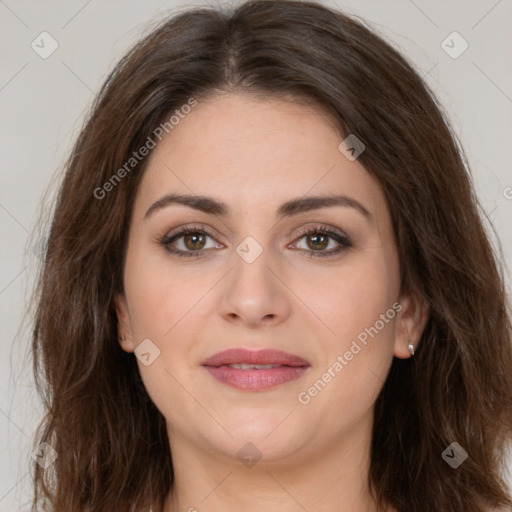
x=317 y=241
x=191 y=241
x=320 y=241
x=194 y=241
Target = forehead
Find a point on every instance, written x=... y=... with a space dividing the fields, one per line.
x=250 y=151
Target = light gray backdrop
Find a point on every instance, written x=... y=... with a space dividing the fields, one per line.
x=44 y=95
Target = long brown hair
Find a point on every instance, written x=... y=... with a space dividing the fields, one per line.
x=113 y=451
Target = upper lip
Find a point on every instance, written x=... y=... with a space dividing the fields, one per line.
x=245 y=356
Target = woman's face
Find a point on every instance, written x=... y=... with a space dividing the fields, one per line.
x=249 y=277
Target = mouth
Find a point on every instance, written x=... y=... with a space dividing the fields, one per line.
x=255 y=370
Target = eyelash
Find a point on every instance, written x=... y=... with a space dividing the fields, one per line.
x=343 y=240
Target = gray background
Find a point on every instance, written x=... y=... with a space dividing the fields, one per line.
x=43 y=101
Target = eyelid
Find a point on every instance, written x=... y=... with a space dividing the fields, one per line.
x=321 y=228
x=190 y=227
x=182 y=231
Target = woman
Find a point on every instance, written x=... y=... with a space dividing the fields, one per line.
x=267 y=284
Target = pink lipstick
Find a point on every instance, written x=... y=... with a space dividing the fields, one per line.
x=254 y=370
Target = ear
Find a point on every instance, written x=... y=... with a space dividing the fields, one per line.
x=410 y=324
x=124 y=330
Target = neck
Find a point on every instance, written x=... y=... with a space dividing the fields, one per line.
x=320 y=478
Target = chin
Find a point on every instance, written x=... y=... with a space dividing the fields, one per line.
x=261 y=431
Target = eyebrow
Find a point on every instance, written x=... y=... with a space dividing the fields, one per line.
x=289 y=208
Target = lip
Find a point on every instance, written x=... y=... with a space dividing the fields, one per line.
x=245 y=356
x=290 y=367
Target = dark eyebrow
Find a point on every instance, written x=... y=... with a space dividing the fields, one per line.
x=201 y=203
x=292 y=207
x=306 y=204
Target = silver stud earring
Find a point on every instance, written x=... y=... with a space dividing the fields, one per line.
x=411 y=349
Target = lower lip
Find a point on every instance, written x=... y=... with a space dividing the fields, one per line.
x=255 y=380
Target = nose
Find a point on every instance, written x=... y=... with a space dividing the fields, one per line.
x=255 y=294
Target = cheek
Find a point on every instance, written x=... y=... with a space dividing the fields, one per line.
x=353 y=297
x=167 y=306
x=359 y=308
x=159 y=294
x=162 y=310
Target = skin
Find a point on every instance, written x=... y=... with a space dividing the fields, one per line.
x=315 y=456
